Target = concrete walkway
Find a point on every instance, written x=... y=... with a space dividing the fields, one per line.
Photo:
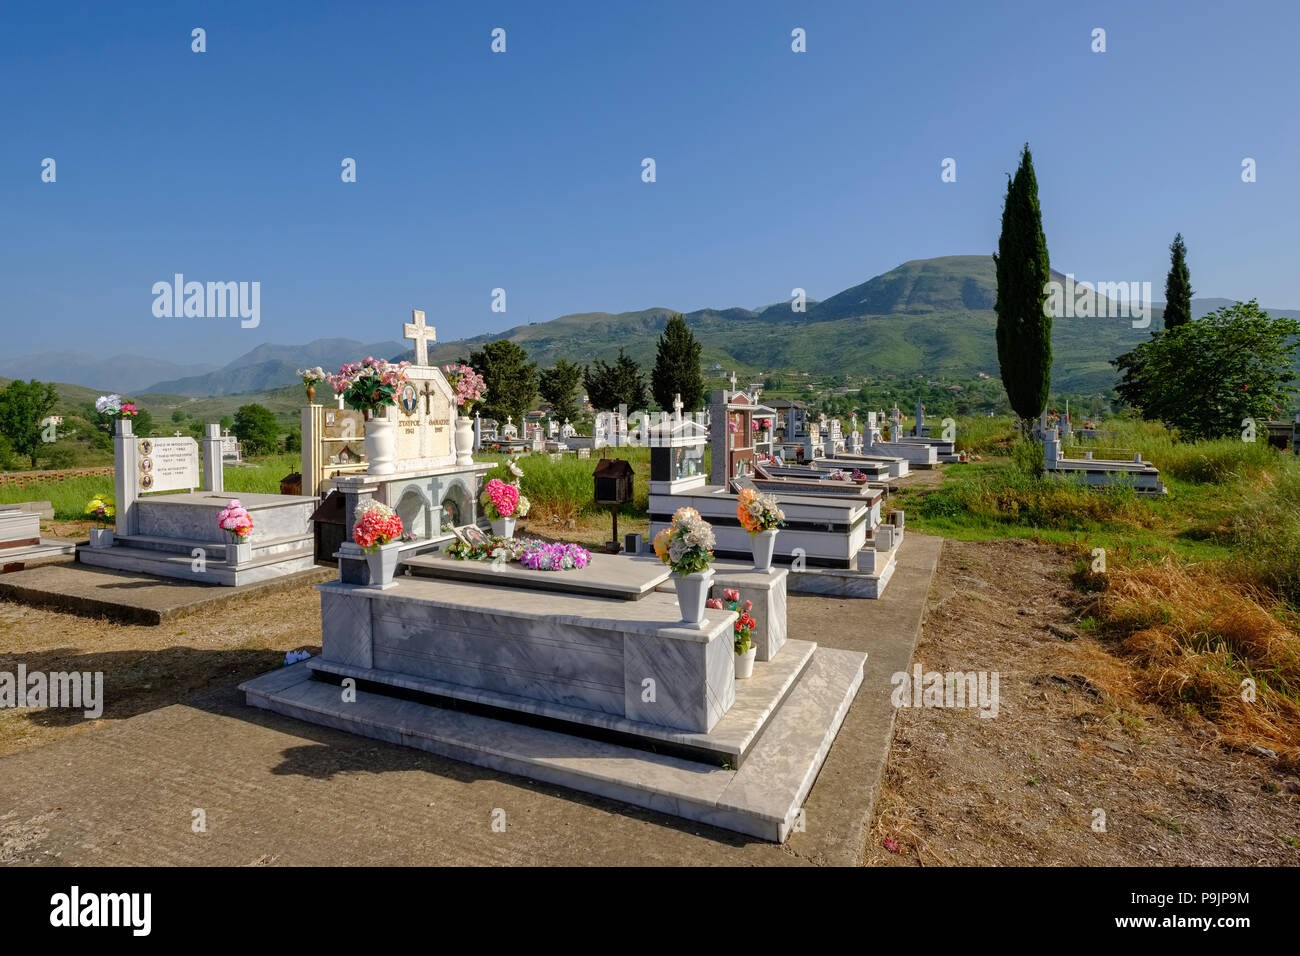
x=274 y=791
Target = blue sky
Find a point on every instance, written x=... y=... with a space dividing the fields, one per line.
x=522 y=170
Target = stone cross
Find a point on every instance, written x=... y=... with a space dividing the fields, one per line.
x=733 y=379
x=678 y=406
x=421 y=335
x=178 y=433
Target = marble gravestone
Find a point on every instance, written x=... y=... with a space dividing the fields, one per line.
x=167 y=511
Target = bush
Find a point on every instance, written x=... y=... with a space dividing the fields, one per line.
x=1027 y=456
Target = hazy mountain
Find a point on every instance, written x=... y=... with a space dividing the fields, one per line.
x=933 y=316
x=119 y=373
x=271 y=366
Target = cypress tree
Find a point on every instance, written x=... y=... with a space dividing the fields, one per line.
x=1178 y=286
x=677 y=367
x=1024 y=330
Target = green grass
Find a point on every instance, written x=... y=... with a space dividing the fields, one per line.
x=69 y=497
x=565 y=488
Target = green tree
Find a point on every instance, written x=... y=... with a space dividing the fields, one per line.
x=1178 y=286
x=677 y=367
x=558 y=386
x=23 y=405
x=609 y=386
x=256 y=429
x=1206 y=376
x=510 y=378
x=1024 y=330
x=226 y=422
x=142 y=424
x=178 y=416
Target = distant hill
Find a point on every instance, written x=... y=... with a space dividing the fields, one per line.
x=930 y=316
x=117 y=373
x=933 y=316
x=272 y=366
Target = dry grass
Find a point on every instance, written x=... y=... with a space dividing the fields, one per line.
x=1193 y=640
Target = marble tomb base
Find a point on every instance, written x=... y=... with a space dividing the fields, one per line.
x=604 y=694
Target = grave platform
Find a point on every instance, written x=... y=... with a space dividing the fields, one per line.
x=621 y=577
x=133 y=598
x=170 y=528
x=842 y=547
x=607 y=694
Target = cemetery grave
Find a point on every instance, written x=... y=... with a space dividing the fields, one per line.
x=588 y=677
x=834 y=539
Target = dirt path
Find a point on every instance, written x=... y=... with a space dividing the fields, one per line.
x=1030 y=785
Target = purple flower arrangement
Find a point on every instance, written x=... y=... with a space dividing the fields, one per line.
x=555 y=557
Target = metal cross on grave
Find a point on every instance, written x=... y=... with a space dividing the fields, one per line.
x=428 y=394
x=421 y=335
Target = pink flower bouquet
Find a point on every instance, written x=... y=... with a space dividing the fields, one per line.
x=500 y=500
x=468 y=385
x=377 y=525
x=235 y=519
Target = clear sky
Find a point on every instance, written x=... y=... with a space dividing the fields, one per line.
x=523 y=170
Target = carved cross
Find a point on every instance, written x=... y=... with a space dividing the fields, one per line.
x=421 y=335
x=428 y=394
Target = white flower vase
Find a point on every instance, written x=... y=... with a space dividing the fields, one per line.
x=382 y=563
x=239 y=551
x=692 y=592
x=763 y=544
x=504 y=527
x=101 y=537
x=745 y=663
x=381 y=446
x=464 y=440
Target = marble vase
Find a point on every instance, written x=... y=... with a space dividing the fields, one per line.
x=692 y=592
x=504 y=527
x=763 y=544
x=381 y=446
x=383 y=564
x=101 y=537
x=238 y=550
x=464 y=440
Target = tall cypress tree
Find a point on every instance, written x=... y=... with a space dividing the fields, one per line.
x=1024 y=331
x=677 y=367
x=1178 y=286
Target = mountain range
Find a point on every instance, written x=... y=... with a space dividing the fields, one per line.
x=932 y=316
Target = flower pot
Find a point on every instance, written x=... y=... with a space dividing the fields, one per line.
x=381 y=446
x=311 y=394
x=101 y=537
x=692 y=592
x=383 y=564
x=763 y=544
x=464 y=440
x=504 y=527
x=239 y=551
x=745 y=663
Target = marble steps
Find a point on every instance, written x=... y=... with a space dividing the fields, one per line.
x=731 y=740
x=762 y=798
x=264 y=549
x=289 y=556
